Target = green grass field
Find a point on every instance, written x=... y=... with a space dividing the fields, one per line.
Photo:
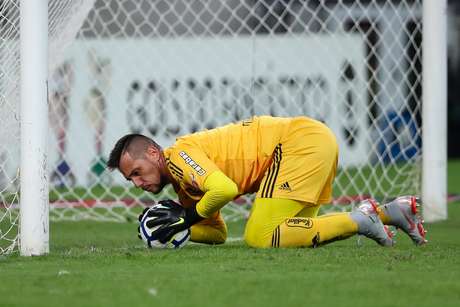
x=104 y=264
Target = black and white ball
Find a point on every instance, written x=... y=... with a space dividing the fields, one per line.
x=179 y=240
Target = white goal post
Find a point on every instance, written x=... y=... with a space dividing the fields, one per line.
x=434 y=110
x=34 y=205
x=169 y=67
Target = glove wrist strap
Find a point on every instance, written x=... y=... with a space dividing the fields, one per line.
x=192 y=216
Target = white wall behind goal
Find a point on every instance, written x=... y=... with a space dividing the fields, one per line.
x=164 y=88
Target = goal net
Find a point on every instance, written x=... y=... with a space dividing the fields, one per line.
x=165 y=68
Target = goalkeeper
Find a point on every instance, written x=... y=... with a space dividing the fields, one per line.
x=290 y=163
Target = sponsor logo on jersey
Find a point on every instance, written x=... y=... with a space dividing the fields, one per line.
x=285 y=186
x=303 y=222
x=198 y=169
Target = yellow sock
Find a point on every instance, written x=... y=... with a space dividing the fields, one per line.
x=385 y=218
x=301 y=231
x=288 y=223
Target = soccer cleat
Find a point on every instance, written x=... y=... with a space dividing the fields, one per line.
x=403 y=214
x=369 y=223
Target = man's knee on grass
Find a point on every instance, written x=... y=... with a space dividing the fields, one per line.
x=292 y=232
x=268 y=214
x=256 y=238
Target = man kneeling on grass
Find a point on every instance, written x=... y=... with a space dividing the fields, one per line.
x=289 y=162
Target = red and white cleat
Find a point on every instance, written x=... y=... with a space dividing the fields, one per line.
x=403 y=214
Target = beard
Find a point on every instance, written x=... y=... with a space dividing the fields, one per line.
x=163 y=182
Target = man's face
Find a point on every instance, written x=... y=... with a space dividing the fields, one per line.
x=145 y=172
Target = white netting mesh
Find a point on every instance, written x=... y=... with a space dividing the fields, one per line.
x=65 y=18
x=9 y=131
x=166 y=68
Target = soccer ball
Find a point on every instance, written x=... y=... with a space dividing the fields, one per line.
x=179 y=240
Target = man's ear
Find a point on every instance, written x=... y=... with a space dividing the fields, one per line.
x=152 y=152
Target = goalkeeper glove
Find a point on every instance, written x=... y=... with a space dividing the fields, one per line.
x=171 y=218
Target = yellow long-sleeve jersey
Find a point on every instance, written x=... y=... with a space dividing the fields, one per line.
x=241 y=151
x=292 y=158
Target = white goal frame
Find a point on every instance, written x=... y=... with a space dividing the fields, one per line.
x=434 y=57
x=34 y=203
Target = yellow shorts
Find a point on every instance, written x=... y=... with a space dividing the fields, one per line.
x=304 y=164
